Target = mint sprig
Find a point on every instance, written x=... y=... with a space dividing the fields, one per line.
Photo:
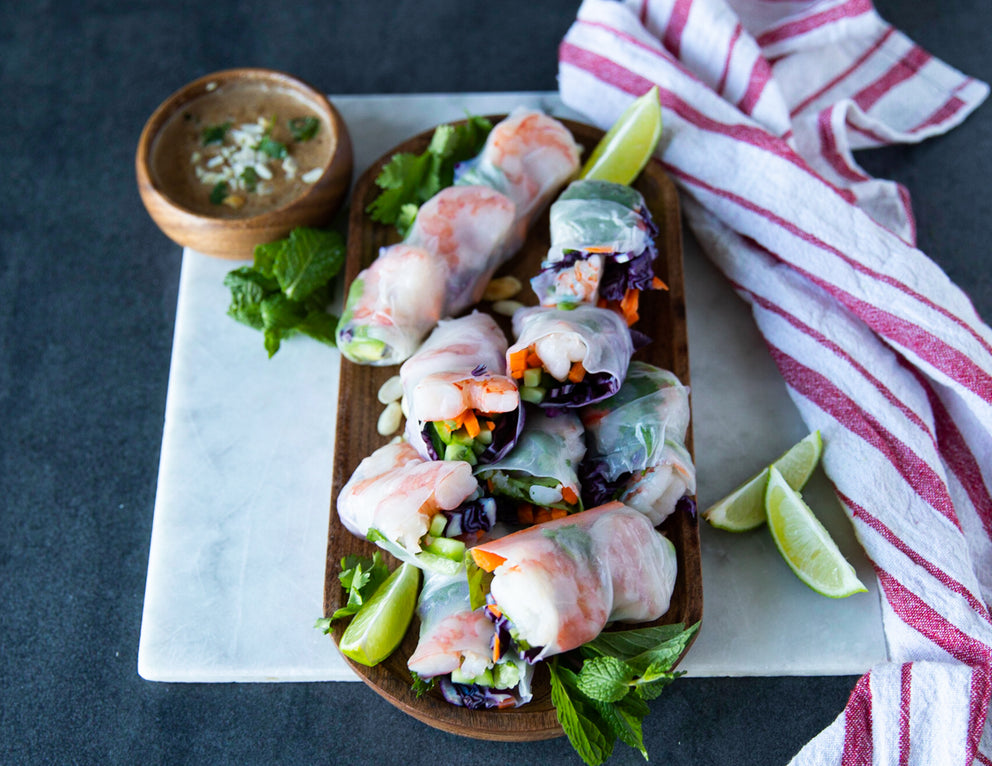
x=288 y=287
x=607 y=699
x=408 y=180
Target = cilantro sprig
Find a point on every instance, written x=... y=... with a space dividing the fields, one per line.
x=408 y=180
x=289 y=286
x=606 y=700
x=360 y=577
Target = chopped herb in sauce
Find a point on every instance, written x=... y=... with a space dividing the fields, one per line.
x=274 y=149
x=215 y=134
x=218 y=193
x=304 y=128
x=249 y=177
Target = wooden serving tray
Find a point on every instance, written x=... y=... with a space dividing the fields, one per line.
x=662 y=317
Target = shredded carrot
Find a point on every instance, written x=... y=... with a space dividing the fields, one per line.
x=494 y=610
x=485 y=560
x=542 y=515
x=628 y=305
x=533 y=360
x=577 y=372
x=657 y=284
x=525 y=514
x=598 y=249
x=518 y=362
x=558 y=513
x=496 y=647
x=471 y=423
x=569 y=496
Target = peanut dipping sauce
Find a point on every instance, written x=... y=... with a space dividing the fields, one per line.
x=178 y=151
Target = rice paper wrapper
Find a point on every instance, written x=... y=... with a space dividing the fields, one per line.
x=657 y=490
x=561 y=582
x=473 y=230
x=529 y=157
x=628 y=431
x=461 y=365
x=597 y=214
x=397 y=492
x=452 y=635
x=548 y=448
x=597 y=337
x=392 y=305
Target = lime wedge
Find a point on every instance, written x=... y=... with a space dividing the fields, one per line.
x=379 y=626
x=629 y=143
x=744 y=508
x=805 y=544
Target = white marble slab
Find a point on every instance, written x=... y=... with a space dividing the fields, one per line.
x=236 y=563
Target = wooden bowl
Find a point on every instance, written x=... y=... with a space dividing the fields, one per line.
x=178 y=201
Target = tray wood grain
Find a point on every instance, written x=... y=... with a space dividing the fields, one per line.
x=662 y=317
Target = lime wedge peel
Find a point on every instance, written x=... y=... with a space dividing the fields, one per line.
x=744 y=508
x=623 y=152
x=379 y=626
x=805 y=543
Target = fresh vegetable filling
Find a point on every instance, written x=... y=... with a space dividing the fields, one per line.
x=473 y=517
x=536 y=498
x=538 y=386
x=477 y=438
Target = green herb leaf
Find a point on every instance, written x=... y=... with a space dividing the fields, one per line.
x=304 y=128
x=625 y=722
x=589 y=734
x=288 y=288
x=605 y=679
x=478 y=582
x=215 y=134
x=218 y=193
x=360 y=577
x=272 y=148
x=250 y=178
x=421 y=686
x=408 y=180
x=314 y=256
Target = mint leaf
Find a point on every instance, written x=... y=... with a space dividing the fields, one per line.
x=579 y=719
x=288 y=288
x=605 y=679
x=625 y=721
x=266 y=256
x=218 y=193
x=627 y=644
x=312 y=258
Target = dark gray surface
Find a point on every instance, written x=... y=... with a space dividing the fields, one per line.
x=87 y=303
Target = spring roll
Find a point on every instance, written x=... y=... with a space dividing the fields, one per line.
x=456 y=645
x=560 y=583
x=403 y=497
x=459 y=238
x=529 y=157
x=602 y=249
x=636 y=444
x=460 y=403
x=569 y=358
x=392 y=305
x=538 y=478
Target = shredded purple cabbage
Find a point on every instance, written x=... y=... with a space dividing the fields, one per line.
x=477 y=515
x=596 y=488
x=479 y=371
x=686 y=504
x=476 y=697
x=592 y=388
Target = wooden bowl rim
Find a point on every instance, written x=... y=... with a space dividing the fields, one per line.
x=196 y=89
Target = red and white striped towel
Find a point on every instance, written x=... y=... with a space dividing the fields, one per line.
x=764 y=101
